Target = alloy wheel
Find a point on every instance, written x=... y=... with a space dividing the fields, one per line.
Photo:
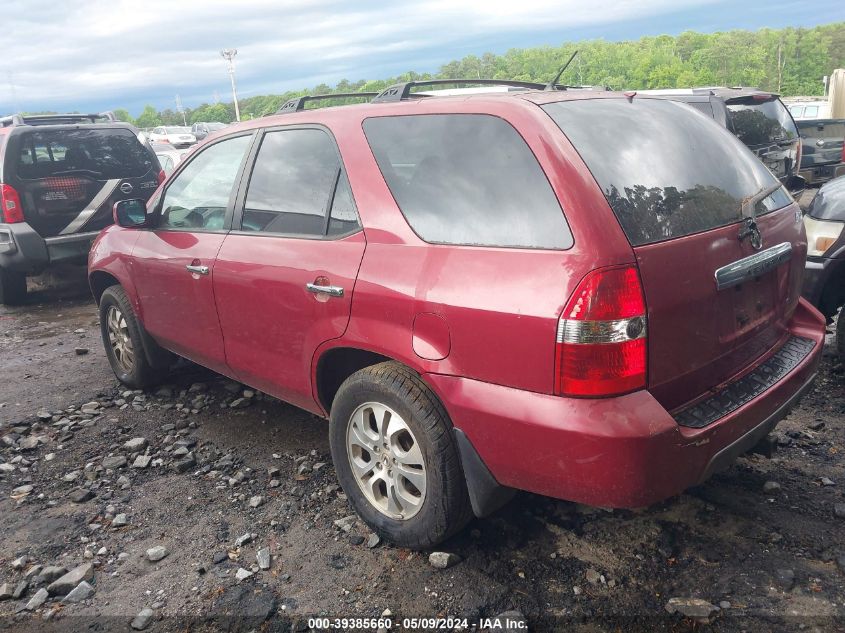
x=119 y=339
x=386 y=460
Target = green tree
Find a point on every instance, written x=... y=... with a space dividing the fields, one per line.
x=123 y=115
x=148 y=117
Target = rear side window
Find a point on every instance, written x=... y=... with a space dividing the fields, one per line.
x=467 y=179
x=298 y=187
x=665 y=171
x=103 y=154
x=757 y=122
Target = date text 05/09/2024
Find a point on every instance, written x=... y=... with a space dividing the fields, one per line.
x=416 y=624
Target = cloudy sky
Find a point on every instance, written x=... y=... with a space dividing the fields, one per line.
x=103 y=54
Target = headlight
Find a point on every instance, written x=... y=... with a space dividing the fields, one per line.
x=821 y=235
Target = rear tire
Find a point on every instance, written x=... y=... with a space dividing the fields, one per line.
x=12 y=287
x=396 y=457
x=124 y=340
x=840 y=335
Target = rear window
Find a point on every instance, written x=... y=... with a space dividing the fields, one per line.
x=467 y=179
x=103 y=154
x=758 y=122
x=665 y=171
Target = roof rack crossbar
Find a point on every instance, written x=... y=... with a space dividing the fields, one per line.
x=400 y=91
x=298 y=103
x=46 y=119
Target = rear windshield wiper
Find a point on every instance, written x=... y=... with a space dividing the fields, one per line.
x=749 y=204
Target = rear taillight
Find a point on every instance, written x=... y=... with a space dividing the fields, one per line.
x=798 y=153
x=601 y=336
x=10 y=205
x=161 y=176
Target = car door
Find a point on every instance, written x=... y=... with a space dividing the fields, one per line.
x=284 y=277
x=173 y=262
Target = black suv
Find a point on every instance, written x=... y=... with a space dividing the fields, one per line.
x=757 y=118
x=60 y=175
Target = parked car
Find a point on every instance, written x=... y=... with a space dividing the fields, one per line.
x=824 y=279
x=168 y=156
x=60 y=174
x=201 y=130
x=758 y=118
x=822 y=149
x=177 y=136
x=543 y=290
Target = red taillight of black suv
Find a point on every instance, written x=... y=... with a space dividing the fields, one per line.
x=10 y=205
x=601 y=336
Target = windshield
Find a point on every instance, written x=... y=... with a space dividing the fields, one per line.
x=758 y=122
x=101 y=153
x=215 y=126
x=665 y=170
x=177 y=130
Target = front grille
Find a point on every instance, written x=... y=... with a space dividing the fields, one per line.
x=748 y=387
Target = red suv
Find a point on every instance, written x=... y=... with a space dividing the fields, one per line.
x=592 y=296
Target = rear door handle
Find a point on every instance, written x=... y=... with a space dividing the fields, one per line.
x=333 y=291
x=198 y=270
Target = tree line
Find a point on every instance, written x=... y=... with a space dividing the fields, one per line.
x=790 y=61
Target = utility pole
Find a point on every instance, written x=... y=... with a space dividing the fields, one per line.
x=229 y=55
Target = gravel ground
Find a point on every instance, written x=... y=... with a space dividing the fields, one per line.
x=216 y=478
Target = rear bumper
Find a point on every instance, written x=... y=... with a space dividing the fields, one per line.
x=623 y=452
x=818 y=174
x=24 y=250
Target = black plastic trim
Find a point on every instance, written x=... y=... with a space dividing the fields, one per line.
x=750 y=386
x=485 y=493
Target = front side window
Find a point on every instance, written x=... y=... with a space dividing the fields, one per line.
x=198 y=197
x=298 y=187
x=467 y=179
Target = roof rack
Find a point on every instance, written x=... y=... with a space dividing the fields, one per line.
x=400 y=91
x=298 y=103
x=54 y=119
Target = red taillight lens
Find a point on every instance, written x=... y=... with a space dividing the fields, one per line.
x=161 y=176
x=11 y=210
x=601 y=338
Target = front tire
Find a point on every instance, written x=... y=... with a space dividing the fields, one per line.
x=123 y=339
x=12 y=287
x=396 y=457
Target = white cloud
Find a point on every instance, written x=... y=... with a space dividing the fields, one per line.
x=112 y=53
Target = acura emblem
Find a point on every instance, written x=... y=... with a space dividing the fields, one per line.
x=126 y=187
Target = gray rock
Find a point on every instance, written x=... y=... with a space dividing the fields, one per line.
x=594 y=577
x=135 y=444
x=5 y=591
x=80 y=351
x=22 y=491
x=155 y=554
x=256 y=501
x=724 y=605
x=243 y=540
x=825 y=481
x=34 y=571
x=185 y=464
x=243 y=574
x=219 y=557
x=263 y=558
x=142 y=620
x=373 y=540
x=20 y=589
x=67 y=583
x=509 y=621
x=240 y=403
x=694 y=608
x=83 y=591
x=345 y=523
x=771 y=486
x=114 y=461
x=51 y=573
x=785 y=578
x=37 y=600
x=29 y=443
x=142 y=461
x=81 y=495
x=119 y=520
x=839 y=510
x=19 y=563
x=443 y=560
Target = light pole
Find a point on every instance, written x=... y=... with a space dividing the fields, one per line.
x=229 y=55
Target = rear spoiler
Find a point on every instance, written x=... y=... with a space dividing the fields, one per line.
x=56 y=119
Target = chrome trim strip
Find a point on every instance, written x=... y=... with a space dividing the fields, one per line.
x=752 y=266
x=67 y=239
x=615 y=331
x=102 y=195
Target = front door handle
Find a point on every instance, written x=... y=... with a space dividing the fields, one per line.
x=332 y=291
x=197 y=270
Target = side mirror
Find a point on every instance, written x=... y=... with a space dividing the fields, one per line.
x=130 y=213
x=796 y=185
